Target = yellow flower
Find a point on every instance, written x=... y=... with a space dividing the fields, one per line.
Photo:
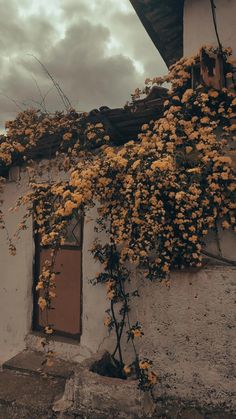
x=69 y=206
x=163 y=164
x=179 y=195
x=166 y=268
x=111 y=294
x=136 y=164
x=217 y=199
x=194 y=170
x=205 y=120
x=144 y=365
x=39 y=286
x=224 y=175
x=213 y=93
x=188 y=149
x=225 y=224
x=193 y=239
x=77 y=198
x=127 y=369
x=194 y=135
x=48 y=330
x=214 y=186
x=186 y=96
x=232 y=127
x=137 y=333
x=67 y=136
x=42 y=303
x=107 y=321
x=49 y=362
x=110 y=284
x=204 y=97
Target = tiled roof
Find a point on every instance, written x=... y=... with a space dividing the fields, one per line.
x=121 y=124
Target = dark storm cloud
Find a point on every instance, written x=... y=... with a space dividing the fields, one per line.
x=73 y=45
x=86 y=73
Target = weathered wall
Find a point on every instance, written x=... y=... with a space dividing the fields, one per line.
x=190 y=334
x=15 y=279
x=199 y=28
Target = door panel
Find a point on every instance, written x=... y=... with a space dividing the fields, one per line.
x=65 y=318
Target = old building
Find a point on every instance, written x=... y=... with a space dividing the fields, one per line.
x=189 y=327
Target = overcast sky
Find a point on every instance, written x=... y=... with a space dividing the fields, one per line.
x=97 y=50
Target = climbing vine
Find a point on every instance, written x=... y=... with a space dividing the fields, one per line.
x=157 y=196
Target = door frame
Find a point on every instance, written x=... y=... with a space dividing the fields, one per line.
x=36 y=272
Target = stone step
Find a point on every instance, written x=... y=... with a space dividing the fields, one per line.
x=29 y=388
x=32 y=362
x=28 y=396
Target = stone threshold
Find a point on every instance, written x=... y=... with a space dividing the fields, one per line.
x=32 y=362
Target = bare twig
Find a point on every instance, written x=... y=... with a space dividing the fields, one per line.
x=42 y=103
x=62 y=95
x=16 y=102
x=222 y=259
x=43 y=100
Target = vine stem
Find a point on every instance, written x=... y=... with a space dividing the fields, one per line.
x=118 y=337
x=122 y=289
x=120 y=334
x=126 y=312
x=213 y=11
x=134 y=348
x=218 y=239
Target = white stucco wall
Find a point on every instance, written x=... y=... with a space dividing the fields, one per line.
x=198 y=24
x=16 y=273
x=190 y=334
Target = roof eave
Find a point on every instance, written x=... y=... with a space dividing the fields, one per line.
x=163 y=21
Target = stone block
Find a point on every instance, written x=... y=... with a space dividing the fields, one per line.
x=103 y=397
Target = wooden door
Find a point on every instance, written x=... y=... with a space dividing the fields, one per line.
x=65 y=317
